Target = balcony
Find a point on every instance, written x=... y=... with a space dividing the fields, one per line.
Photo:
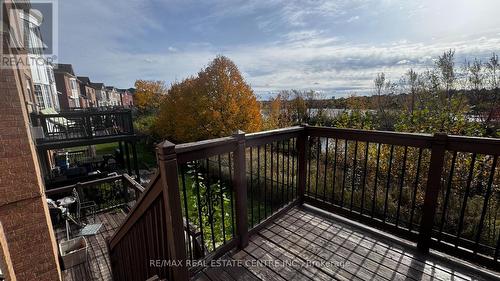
x=315 y=203
x=83 y=127
x=114 y=197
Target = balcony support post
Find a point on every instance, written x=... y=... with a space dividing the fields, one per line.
x=240 y=190
x=438 y=149
x=173 y=210
x=301 y=159
x=136 y=165
x=127 y=155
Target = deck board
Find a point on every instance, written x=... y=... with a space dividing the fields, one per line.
x=98 y=266
x=303 y=236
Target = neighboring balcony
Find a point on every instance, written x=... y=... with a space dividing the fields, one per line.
x=85 y=127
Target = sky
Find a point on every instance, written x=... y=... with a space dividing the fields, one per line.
x=334 y=47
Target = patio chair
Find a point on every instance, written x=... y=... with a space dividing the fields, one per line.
x=83 y=205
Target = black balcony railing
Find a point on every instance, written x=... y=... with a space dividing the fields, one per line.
x=75 y=125
x=439 y=191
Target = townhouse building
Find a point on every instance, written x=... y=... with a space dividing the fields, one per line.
x=67 y=86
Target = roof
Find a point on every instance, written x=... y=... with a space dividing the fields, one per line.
x=62 y=67
x=84 y=79
x=97 y=85
x=127 y=91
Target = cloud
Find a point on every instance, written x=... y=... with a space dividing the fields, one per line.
x=277 y=44
x=353 y=19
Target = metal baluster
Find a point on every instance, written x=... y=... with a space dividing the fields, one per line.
x=485 y=204
x=184 y=190
x=364 y=179
x=209 y=203
x=198 y=200
x=318 y=152
x=414 y=197
x=344 y=173
x=294 y=145
x=272 y=183
x=403 y=168
x=283 y=172
x=326 y=170
x=447 y=196
x=288 y=172
x=334 y=171
x=258 y=181
x=388 y=185
x=265 y=180
x=251 y=187
x=309 y=167
x=466 y=195
x=354 y=172
x=376 y=180
x=231 y=199
x=223 y=214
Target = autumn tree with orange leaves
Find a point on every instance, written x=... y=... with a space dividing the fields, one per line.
x=148 y=95
x=215 y=103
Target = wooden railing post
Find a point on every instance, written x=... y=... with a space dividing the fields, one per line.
x=438 y=149
x=173 y=212
x=301 y=159
x=240 y=185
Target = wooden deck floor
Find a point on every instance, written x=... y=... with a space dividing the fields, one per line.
x=302 y=245
x=98 y=265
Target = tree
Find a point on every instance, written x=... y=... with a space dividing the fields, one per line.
x=446 y=66
x=148 y=95
x=493 y=67
x=215 y=103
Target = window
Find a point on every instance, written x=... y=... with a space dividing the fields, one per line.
x=48 y=95
x=73 y=83
x=39 y=96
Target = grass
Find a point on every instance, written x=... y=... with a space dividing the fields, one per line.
x=145 y=153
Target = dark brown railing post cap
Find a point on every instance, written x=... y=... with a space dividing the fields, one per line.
x=166 y=148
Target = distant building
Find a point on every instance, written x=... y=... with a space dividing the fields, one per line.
x=113 y=96
x=67 y=86
x=127 y=97
x=87 y=91
x=100 y=93
x=44 y=86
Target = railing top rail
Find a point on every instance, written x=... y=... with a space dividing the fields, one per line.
x=203 y=149
x=83 y=113
x=255 y=139
x=68 y=188
x=274 y=132
x=152 y=191
x=133 y=183
x=385 y=137
x=473 y=144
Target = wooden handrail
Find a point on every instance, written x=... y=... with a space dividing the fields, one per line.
x=151 y=192
x=132 y=183
x=69 y=188
x=395 y=138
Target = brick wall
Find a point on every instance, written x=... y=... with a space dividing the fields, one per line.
x=6 y=262
x=23 y=210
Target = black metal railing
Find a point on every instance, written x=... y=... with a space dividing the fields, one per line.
x=380 y=182
x=73 y=125
x=272 y=172
x=108 y=192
